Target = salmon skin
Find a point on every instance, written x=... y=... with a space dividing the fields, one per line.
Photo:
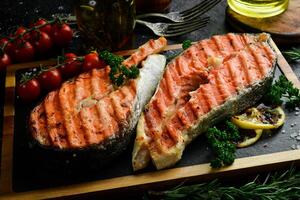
x=213 y=79
x=90 y=113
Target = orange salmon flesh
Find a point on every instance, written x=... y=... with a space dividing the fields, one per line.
x=198 y=81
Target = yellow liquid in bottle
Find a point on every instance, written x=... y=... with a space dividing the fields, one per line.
x=258 y=8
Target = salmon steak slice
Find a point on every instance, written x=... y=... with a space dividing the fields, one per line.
x=213 y=79
x=89 y=112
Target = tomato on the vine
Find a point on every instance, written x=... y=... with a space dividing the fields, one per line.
x=62 y=34
x=9 y=47
x=72 y=66
x=4 y=61
x=47 y=28
x=29 y=91
x=92 y=61
x=24 y=52
x=50 y=80
x=70 y=55
x=3 y=41
x=20 y=31
x=42 y=42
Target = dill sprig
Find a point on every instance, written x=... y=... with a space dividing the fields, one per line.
x=276 y=186
x=293 y=54
x=118 y=73
x=283 y=89
x=222 y=144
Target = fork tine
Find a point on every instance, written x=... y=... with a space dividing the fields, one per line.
x=188 y=27
x=200 y=10
x=192 y=9
x=200 y=6
x=186 y=31
x=187 y=24
x=184 y=24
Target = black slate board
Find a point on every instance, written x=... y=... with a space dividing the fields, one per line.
x=36 y=170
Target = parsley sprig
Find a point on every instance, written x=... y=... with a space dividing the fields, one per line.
x=223 y=145
x=283 y=89
x=186 y=44
x=118 y=73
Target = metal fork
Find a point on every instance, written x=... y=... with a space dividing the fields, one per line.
x=186 y=15
x=175 y=29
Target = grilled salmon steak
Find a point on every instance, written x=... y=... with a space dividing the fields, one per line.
x=89 y=112
x=213 y=79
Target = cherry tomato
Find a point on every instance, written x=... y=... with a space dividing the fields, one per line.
x=3 y=41
x=9 y=47
x=24 y=52
x=21 y=30
x=41 y=42
x=4 y=61
x=72 y=67
x=70 y=55
x=62 y=34
x=47 y=28
x=50 y=80
x=92 y=61
x=29 y=90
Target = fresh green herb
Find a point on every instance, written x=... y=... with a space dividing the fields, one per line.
x=283 y=89
x=276 y=186
x=293 y=54
x=222 y=143
x=186 y=44
x=118 y=73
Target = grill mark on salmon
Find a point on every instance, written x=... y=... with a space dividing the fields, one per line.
x=71 y=119
x=209 y=52
x=88 y=110
x=244 y=64
x=236 y=41
x=55 y=126
x=223 y=45
x=39 y=113
x=249 y=62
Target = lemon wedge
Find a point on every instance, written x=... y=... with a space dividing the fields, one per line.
x=249 y=141
x=260 y=118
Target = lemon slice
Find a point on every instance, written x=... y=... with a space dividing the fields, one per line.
x=249 y=141
x=260 y=118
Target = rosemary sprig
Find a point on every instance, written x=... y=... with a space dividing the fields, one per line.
x=276 y=186
x=293 y=54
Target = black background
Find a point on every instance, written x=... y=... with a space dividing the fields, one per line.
x=14 y=13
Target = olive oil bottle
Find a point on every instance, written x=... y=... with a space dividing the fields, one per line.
x=106 y=24
x=258 y=8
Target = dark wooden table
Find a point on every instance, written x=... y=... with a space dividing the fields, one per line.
x=17 y=12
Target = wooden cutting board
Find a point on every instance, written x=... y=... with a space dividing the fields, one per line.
x=284 y=28
x=145 y=180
